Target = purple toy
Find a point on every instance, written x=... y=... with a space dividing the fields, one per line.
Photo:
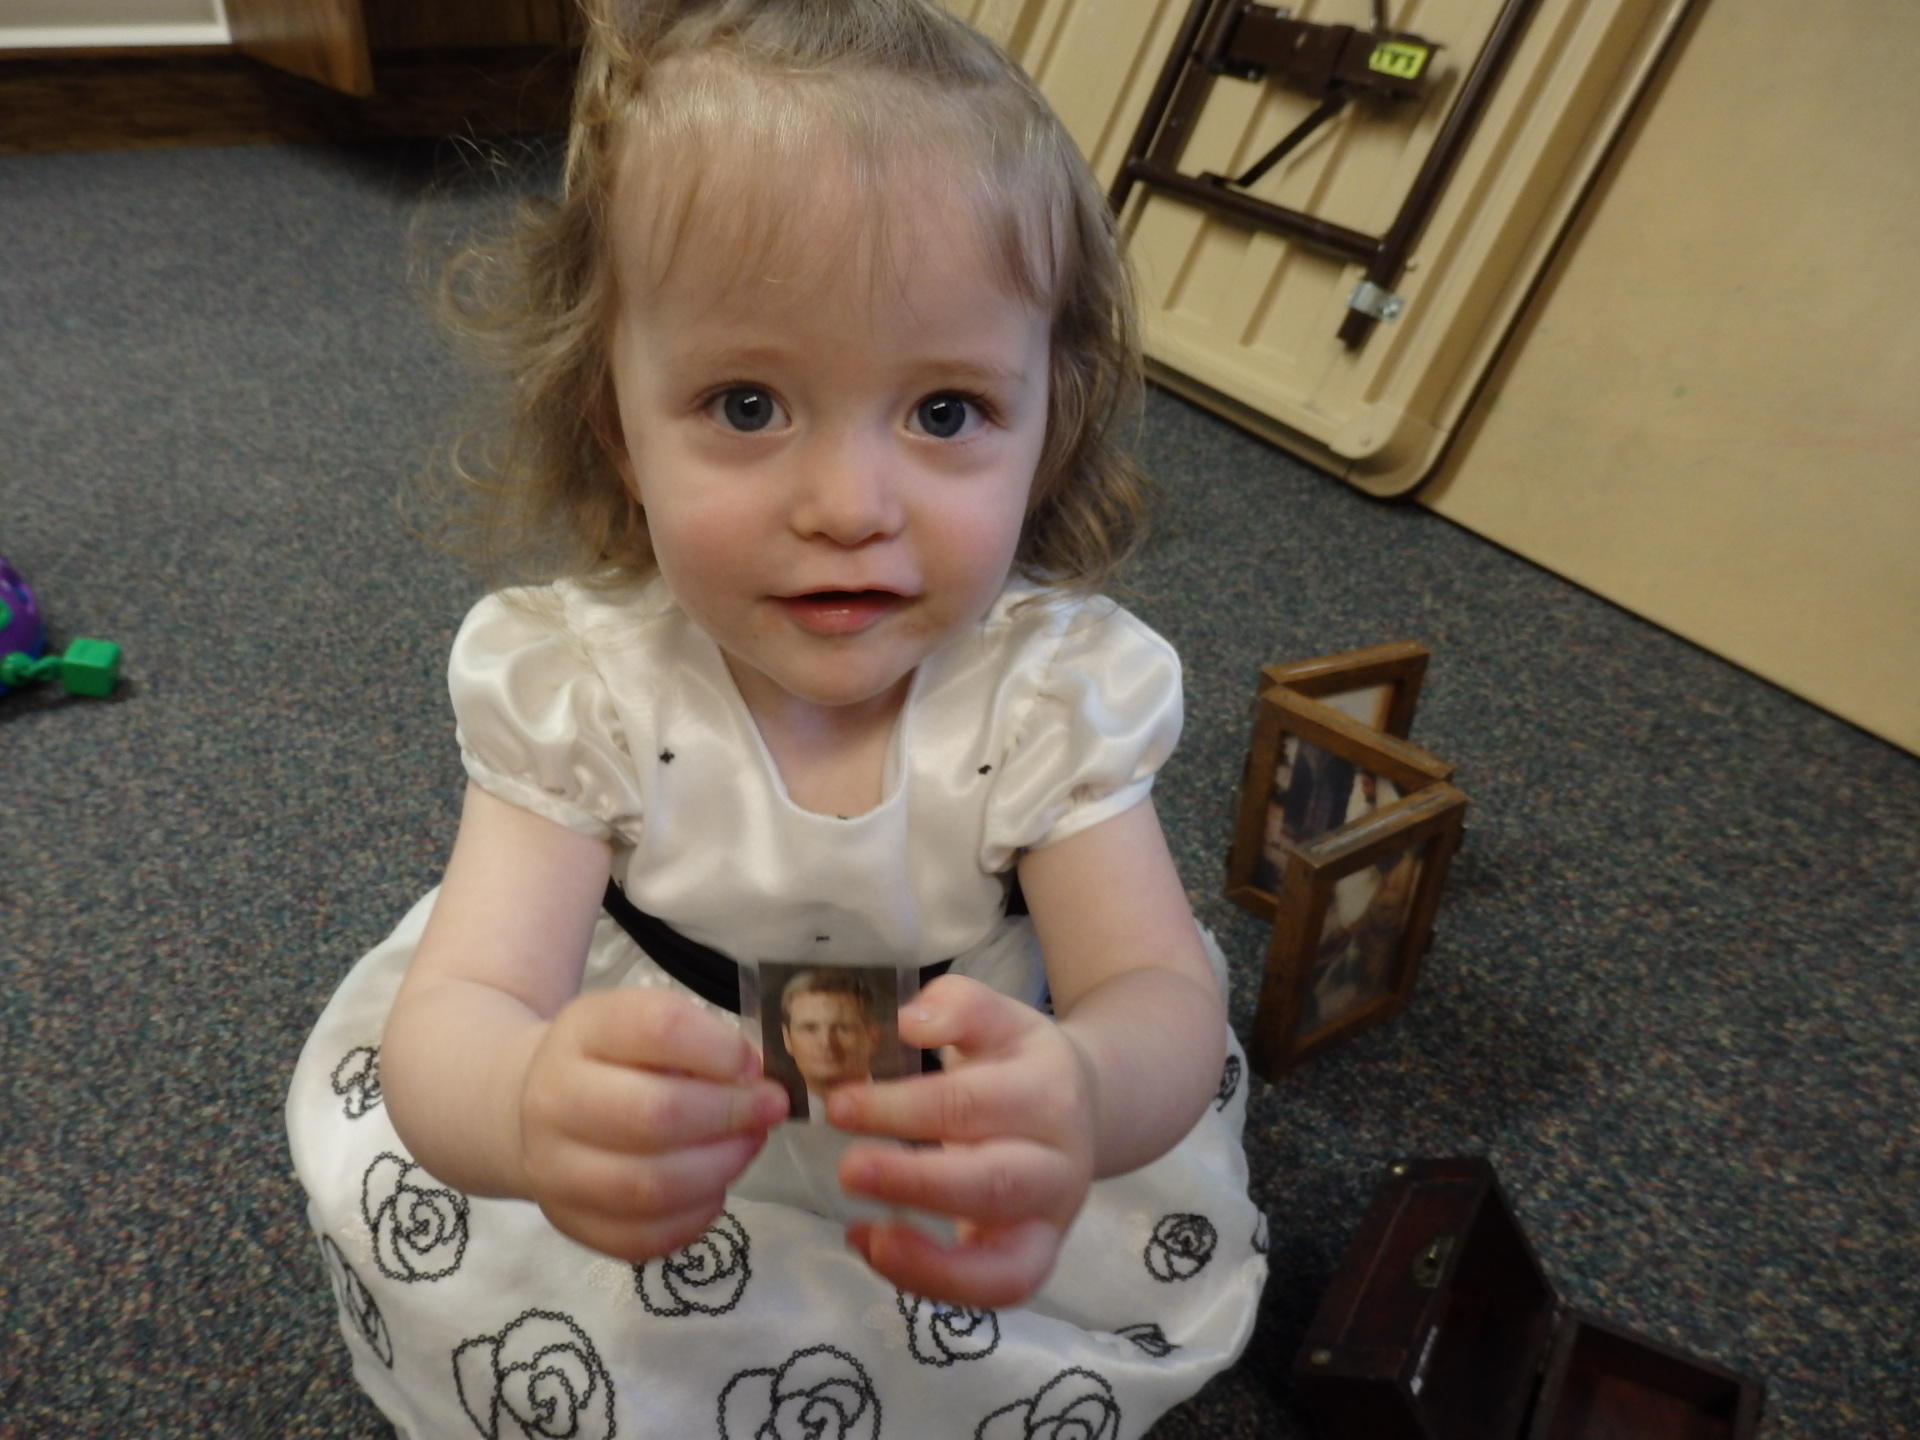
x=22 y=631
x=87 y=667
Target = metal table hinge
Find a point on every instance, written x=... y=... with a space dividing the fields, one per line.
x=1375 y=301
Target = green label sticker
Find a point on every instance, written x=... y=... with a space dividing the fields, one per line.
x=1395 y=57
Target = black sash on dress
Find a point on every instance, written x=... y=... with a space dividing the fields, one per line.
x=702 y=969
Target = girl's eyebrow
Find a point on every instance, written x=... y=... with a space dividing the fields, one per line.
x=744 y=361
x=725 y=359
x=973 y=373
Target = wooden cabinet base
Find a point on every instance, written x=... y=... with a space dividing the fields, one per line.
x=147 y=99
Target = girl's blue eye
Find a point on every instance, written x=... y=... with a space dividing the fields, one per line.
x=944 y=416
x=747 y=408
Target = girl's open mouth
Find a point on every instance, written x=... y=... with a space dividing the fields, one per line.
x=840 y=612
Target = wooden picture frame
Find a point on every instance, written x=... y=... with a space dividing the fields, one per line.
x=1303 y=753
x=1355 y=918
x=1378 y=686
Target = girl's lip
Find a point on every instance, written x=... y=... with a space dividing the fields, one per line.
x=839 y=612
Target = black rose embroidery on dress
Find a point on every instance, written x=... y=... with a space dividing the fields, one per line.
x=419 y=1229
x=1151 y=1339
x=356 y=1080
x=820 y=1394
x=540 y=1377
x=1075 y=1405
x=1181 y=1247
x=356 y=1303
x=939 y=1333
x=1229 y=1082
x=706 y=1277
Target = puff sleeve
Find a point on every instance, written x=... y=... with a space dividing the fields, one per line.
x=1101 y=715
x=536 y=724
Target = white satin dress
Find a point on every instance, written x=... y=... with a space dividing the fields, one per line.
x=612 y=714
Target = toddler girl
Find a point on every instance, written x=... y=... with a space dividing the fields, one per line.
x=822 y=349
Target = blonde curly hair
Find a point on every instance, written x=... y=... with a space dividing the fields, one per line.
x=704 y=118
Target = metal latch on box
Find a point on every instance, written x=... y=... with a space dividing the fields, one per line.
x=1376 y=301
x=1428 y=1264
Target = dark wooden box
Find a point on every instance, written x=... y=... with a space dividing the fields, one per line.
x=1441 y=1325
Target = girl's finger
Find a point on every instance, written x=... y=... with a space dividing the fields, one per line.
x=974 y=1018
x=636 y=1240
x=657 y=1029
x=623 y=1189
x=639 y=1112
x=993 y=1184
x=965 y=1104
x=990 y=1268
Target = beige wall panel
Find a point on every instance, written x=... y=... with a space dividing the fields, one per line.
x=1713 y=415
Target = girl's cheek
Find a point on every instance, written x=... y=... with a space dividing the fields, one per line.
x=704 y=521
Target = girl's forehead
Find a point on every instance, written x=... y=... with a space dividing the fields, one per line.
x=791 y=197
x=914 y=290
x=828 y=245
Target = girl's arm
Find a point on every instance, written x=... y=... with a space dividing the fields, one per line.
x=624 y=1113
x=1032 y=1110
x=1131 y=983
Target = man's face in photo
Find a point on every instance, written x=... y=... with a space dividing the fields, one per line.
x=830 y=1039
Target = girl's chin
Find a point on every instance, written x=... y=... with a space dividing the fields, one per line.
x=828 y=687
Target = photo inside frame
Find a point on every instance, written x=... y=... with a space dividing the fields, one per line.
x=1377 y=686
x=1369 y=704
x=821 y=1025
x=1357 y=961
x=1312 y=791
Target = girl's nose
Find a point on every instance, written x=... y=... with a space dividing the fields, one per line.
x=847 y=490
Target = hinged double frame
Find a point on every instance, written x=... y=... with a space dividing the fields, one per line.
x=1343 y=841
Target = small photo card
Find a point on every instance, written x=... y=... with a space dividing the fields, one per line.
x=1312 y=769
x=822 y=1025
x=1354 y=918
x=1378 y=686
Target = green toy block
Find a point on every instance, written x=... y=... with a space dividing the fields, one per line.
x=90 y=667
x=20 y=669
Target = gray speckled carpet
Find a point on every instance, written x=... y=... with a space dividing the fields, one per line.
x=1675 y=992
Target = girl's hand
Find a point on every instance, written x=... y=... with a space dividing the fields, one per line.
x=1013 y=1115
x=1031 y=1110
x=637 y=1110
x=624 y=1113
